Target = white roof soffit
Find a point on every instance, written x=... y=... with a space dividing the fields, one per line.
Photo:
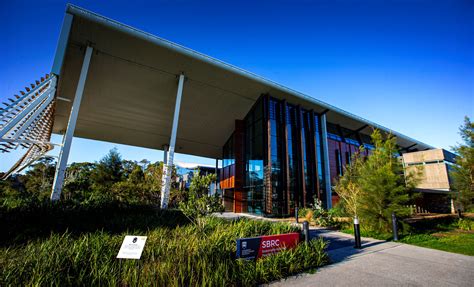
x=131 y=88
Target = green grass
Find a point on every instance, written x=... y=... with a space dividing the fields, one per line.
x=456 y=242
x=447 y=234
x=81 y=249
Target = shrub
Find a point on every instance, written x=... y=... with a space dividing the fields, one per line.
x=199 y=203
x=321 y=216
x=465 y=224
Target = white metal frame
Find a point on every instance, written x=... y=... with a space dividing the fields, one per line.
x=67 y=138
x=168 y=166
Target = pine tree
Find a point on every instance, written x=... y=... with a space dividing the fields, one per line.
x=463 y=171
x=374 y=187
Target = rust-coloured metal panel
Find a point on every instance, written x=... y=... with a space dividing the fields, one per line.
x=240 y=196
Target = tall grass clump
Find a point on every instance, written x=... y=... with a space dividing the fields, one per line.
x=177 y=252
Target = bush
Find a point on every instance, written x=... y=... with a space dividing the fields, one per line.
x=465 y=224
x=199 y=203
x=174 y=255
x=321 y=216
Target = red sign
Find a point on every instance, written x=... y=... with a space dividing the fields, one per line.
x=252 y=248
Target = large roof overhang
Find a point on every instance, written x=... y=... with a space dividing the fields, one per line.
x=131 y=86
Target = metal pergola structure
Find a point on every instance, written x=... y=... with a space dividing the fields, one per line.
x=27 y=122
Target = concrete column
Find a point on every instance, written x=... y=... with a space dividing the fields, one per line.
x=168 y=167
x=327 y=175
x=71 y=126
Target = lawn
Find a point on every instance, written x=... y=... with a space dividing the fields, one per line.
x=442 y=233
x=68 y=245
x=451 y=241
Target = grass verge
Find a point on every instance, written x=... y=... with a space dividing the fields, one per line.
x=447 y=234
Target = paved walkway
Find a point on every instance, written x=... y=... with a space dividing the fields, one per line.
x=381 y=263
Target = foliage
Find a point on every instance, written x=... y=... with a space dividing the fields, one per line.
x=463 y=171
x=348 y=186
x=199 y=203
x=112 y=179
x=465 y=224
x=321 y=216
x=306 y=213
x=373 y=188
x=39 y=178
x=81 y=252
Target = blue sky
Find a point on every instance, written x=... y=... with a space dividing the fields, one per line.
x=407 y=65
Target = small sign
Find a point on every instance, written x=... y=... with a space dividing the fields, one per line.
x=132 y=247
x=256 y=247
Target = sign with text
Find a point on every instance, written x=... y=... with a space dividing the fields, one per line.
x=256 y=247
x=132 y=247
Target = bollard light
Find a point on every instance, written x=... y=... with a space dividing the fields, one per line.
x=395 y=227
x=357 y=233
x=296 y=214
x=306 y=231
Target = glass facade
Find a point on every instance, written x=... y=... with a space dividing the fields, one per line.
x=282 y=156
x=277 y=157
x=254 y=158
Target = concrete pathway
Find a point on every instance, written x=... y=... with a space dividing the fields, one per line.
x=381 y=263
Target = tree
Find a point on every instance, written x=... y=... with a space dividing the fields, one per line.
x=77 y=183
x=199 y=203
x=463 y=172
x=109 y=170
x=375 y=187
x=39 y=177
x=348 y=187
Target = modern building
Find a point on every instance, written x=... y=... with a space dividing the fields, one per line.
x=433 y=168
x=111 y=82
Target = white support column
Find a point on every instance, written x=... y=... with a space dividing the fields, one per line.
x=71 y=126
x=327 y=175
x=168 y=166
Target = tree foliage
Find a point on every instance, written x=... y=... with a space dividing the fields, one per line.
x=374 y=187
x=463 y=172
x=110 y=179
x=199 y=203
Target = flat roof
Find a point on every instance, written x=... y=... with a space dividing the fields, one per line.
x=130 y=90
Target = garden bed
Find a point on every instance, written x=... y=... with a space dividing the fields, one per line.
x=69 y=245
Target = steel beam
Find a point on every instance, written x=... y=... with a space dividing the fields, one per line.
x=36 y=113
x=71 y=126
x=327 y=175
x=62 y=44
x=5 y=130
x=168 y=167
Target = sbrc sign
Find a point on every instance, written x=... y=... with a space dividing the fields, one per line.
x=256 y=247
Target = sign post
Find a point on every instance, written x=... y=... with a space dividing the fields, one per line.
x=256 y=247
x=132 y=247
